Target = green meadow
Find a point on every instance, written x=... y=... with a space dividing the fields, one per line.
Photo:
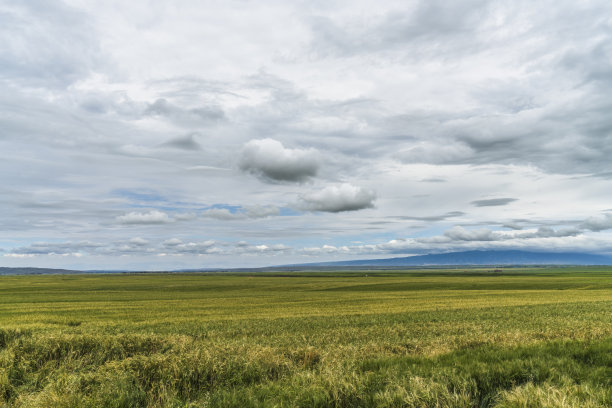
x=419 y=338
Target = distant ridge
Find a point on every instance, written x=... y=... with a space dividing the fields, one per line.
x=510 y=257
x=35 y=271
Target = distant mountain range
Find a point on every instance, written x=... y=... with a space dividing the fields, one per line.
x=511 y=257
x=491 y=258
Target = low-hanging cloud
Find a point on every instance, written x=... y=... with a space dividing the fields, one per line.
x=343 y=197
x=270 y=160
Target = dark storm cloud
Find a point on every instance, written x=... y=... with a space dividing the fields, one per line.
x=272 y=161
x=492 y=202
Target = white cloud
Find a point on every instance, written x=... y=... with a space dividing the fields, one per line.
x=269 y=159
x=338 y=198
x=139 y=241
x=172 y=242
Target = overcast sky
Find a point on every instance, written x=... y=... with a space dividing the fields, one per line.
x=183 y=134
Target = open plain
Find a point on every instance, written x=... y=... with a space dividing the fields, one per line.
x=538 y=337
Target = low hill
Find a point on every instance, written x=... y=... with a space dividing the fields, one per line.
x=35 y=271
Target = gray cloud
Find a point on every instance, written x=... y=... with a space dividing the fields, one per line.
x=151 y=217
x=598 y=223
x=429 y=27
x=459 y=233
x=187 y=142
x=46 y=44
x=338 y=198
x=65 y=248
x=184 y=116
x=246 y=212
x=431 y=218
x=269 y=159
x=492 y=202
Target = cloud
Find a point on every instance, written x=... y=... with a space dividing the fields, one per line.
x=187 y=142
x=172 y=242
x=598 y=223
x=441 y=152
x=343 y=197
x=52 y=248
x=242 y=213
x=269 y=159
x=459 y=234
x=492 y=202
x=222 y=214
x=429 y=27
x=184 y=116
x=151 y=217
x=431 y=218
x=139 y=241
x=47 y=44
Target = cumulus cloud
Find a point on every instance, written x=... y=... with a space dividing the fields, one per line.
x=492 y=202
x=338 y=198
x=269 y=159
x=151 y=217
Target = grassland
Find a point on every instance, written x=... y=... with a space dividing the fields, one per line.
x=522 y=338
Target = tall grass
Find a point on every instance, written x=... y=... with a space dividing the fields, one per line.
x=541 y=339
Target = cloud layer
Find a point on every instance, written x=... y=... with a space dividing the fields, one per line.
x=208 y=139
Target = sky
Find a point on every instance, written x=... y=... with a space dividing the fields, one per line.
x=162 y=134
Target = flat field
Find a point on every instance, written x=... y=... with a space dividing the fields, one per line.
x=433 y=338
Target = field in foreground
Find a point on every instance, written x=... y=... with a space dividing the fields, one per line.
x=521 y=338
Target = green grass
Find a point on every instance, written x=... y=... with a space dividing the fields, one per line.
x=431 y=338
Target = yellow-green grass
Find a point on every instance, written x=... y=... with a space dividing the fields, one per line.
x=431 y=338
